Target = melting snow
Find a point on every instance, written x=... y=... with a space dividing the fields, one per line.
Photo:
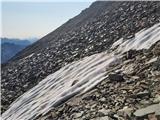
x=143 y=40
x=75 y=78
x=60 y=86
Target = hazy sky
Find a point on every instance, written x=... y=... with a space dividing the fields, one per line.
x=36 y=19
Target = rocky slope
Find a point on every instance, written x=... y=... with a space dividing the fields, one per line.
x=123 y=66
x=130 y=92
x=92 y=34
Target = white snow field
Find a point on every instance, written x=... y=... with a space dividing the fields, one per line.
x=75 y=78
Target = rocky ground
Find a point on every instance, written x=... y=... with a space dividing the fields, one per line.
x=131 y=91
x=111 y=98
x=87 y=37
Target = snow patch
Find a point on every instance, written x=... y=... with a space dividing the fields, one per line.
x=60 y=86
x=29 y=56
x=143 y=40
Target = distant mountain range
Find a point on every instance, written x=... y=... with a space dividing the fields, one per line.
x=10 y=47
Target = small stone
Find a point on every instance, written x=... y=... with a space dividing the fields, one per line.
x=144 y=102
x=157 y=99
x=124 y=91
x=143 y=94
x=105 y=112
x=152 y=60
x=53 y=114
x=130 y=82
x=115 y=116
x=102 y=118
x=89 y=97
x=78 y=115
x=130 y=54
x=126 y=111
x=87 y=106
x=129 y=69
x=157 y=113
x=9 y=96
x=102 y=99
x=156 y=49
x=93 y=106
x=152 y=117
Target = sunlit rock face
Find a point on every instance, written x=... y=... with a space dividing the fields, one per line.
x=77 y=78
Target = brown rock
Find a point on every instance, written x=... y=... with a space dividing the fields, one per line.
x=152 y=117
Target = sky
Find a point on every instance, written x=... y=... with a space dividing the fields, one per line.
x=30 y=19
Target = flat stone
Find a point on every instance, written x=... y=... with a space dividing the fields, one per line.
x=126 y=111
x=129 y=69
x=157 y=99
x=102 y=118
x=102 y=99
x=142 y=94
x=93 y=106
x=78 y=115
x=157 y=113
x=105 y=111
x=144 y=102
x=155 y=108
x=152 y=60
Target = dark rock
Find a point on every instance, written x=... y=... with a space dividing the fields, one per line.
x=116 y=77
x=131 y=54
x=90 y=97
x=143 y=94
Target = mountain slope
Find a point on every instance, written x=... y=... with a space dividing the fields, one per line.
x=8 y=50
x=15 y=41
x=89 y=34
x=106 y=70
x=130 y=91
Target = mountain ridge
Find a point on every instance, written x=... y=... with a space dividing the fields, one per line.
x=10 y=47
